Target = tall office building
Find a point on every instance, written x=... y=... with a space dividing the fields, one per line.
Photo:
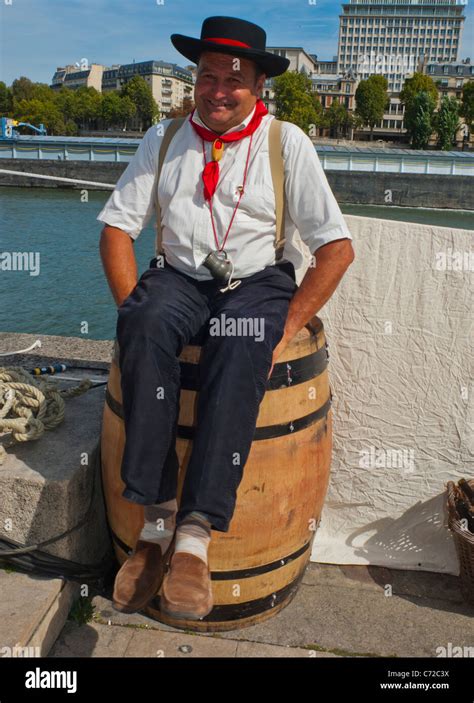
x=392 y=37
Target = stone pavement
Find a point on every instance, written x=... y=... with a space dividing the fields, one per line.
x=343 y=611
x=338 y=611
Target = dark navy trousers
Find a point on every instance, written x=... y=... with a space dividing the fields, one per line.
x=166 y=311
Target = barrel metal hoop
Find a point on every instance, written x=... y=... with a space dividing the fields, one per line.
x=273 y=431
x=302 y=370
x=250 y=572
x=241 y=611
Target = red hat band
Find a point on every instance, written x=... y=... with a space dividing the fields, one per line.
x=230 y=42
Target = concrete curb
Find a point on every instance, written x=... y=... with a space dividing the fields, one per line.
x=33 y=612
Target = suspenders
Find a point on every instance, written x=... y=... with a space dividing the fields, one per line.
x=278 y=178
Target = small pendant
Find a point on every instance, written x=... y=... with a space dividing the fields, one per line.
x=218 y=264
x=217 y=149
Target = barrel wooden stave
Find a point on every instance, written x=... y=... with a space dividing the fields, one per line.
x=256 y=566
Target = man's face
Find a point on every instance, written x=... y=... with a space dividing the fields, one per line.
x=226 y=90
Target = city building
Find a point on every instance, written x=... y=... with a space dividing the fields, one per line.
x=330 y=86
x=325 y=81
x=299 y=61
x=395 y=38
x=324 y=67
x=80 y=75
x=326 y=84
x=450 y=78
x=390 y=37
x=333 y=87
x=169 y=83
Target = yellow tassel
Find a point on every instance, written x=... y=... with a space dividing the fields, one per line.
x=217 y=150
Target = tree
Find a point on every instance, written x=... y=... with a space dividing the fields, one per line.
x=111 y=109
x=116 y=110
x=37 y=112
x=319 y=110
x=467 y=106
x=296 y=102
x=418 y=110
x=23 y=89
x=42 y=91
x=67 y=102
x=371 y=101
x=139 y=92
x=127 y=110
x=447 y=123
x=6 y=100
x=419 y=119
x=88 y=107
x=338 y=119
x=418 y=83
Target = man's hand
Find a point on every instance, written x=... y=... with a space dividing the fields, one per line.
x=278 y=351
x=317 y=286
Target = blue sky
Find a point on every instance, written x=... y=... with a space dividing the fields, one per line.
x=36 y=36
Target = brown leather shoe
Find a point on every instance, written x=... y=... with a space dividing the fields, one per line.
x=186 y=593
x=140 y=577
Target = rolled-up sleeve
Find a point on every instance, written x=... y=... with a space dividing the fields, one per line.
x=312 y=206
x=132 y=203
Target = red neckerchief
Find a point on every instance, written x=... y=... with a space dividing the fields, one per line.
x=210 y=175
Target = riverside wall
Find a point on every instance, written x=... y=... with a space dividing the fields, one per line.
x=354 y=187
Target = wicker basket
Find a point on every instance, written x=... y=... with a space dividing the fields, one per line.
x=464 y=541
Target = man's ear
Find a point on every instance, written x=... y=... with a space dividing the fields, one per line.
x=261 y=81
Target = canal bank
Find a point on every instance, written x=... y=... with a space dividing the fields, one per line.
x=407 y=190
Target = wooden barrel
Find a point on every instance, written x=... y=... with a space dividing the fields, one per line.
x=257 y=565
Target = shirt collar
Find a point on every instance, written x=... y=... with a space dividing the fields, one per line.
x=237 y=128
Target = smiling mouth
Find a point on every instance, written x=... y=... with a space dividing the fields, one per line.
x=218 y=107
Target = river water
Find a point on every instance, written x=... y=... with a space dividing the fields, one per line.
x=71 y=289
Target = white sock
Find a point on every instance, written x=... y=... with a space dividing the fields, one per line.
x=193 y=535
x=160 y=523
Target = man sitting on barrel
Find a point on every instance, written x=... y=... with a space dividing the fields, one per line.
x=218 y=223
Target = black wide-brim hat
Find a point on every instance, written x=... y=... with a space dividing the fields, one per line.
x=230 y=35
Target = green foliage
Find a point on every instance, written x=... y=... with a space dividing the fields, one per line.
x=447 y=123
x=23 y=88
x=467 y=106
x=82 y=611
x=87 y=105
x=419 y=119
x=117 y=110
x=418 y=83
x=338 y=118
x=65 y=111
x=6 y=99
x=66 y=100
x=140 y=94
x=296 y=102
x=37 y=112
x=371 y=101
x=7 y=568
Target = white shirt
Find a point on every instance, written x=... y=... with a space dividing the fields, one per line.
x=188 y=237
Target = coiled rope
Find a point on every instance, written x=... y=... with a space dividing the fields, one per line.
x=30 y=405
